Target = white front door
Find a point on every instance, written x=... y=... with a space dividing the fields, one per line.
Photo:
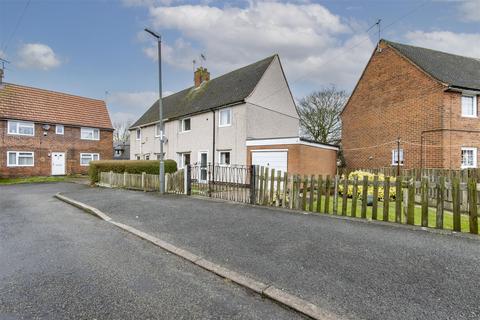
x=58 y=163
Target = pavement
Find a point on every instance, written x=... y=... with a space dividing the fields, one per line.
x=351 y=268
x=58 y=262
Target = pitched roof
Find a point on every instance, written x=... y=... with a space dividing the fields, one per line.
x=227 y=89
x=39 y=105
x=454 y=70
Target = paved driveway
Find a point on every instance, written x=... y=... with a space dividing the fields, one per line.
x=56 y=262
x=354 y=269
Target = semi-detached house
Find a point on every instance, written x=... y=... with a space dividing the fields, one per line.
x=46 y=133
x=245 y=116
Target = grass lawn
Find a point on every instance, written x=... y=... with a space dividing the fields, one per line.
x=4 y=181
x=447 y=216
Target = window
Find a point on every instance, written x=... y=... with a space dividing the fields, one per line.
x=225 y=118
x=469 y=106
x=138 y=134
x=21 y=128
x=147 y=157
x=157 y=130
x=20 y=159
x=85 y=158
x=138 y=157
x=224 y=158
x=183 y=159
x=185 y=125
x=469 y=158
x=89 y=134
x=395 y=157
x=158 y=155
x=59 y=129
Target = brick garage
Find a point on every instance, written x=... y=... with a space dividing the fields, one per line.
x=42 y=108
x=400 y=95
x=303 y=157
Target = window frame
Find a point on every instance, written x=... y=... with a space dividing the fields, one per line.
x=181 y=159
x=17 y=126
x=157 y=130
x=475 y=152
x=474 y=101
x=92 y=159
x=57 y=126
x=138 y=134
x=220 y=158
x=229 y=110
x=395 y=158
x=17 y=156
x=182 y=125
x=83 y=129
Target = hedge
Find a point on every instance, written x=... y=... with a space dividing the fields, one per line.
x=129 y=166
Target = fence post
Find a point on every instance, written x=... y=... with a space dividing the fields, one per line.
x=253 y=196
x=125 y=179
x=440 y=202
x=111 y=179
x=386 y=199
x=456 y=204
x=398 y=199
x=424 y=202
x=143 y=182
x=411 y=202
x=472 y=205
x=375 y=198
x=353 y=211
x=188 y=180
x=363 y=212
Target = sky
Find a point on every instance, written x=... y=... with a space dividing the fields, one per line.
x=98 y=48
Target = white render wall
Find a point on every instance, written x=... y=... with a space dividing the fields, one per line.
x=269 y=112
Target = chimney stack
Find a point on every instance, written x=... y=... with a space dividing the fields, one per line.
x=200 y=76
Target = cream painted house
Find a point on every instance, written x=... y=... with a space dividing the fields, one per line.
x=212 y=121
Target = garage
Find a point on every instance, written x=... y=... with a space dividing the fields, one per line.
x=294 y=155
x=274 y=159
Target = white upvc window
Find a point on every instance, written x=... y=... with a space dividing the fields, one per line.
x=395 y=157
x=59 y=129
x=224 y=158
x=158 y=130
x=89 y=134
x=469 y=157
x=20 y=159
x=85 y=158
x=185 y=125
x=225 y=118
x=469 y=106
x=138 y=134
x=184 y=159
x=21 y=128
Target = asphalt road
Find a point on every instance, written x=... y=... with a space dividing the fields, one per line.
x=56 y=262
x=353 y=269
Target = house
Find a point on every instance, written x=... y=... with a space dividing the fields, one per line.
x=245 y=116
x=121 y=150
x=415 y=106
x=46 y=133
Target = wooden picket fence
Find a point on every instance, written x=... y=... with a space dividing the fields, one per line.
x=174 y=182
x=446 y=203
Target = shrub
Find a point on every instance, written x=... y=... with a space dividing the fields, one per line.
x=129 y=166
x=360 y=175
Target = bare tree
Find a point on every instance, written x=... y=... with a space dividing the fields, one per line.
x=121 y=132
x=320 y=115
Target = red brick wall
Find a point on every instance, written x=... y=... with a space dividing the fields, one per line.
x=303 y=159
x=393 y=99
x=70 y=143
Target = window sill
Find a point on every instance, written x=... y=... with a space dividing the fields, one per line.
x=224 y=125
x=21 y=134
x=469 y=117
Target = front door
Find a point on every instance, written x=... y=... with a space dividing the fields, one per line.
x=203 y=166
x=58 y=163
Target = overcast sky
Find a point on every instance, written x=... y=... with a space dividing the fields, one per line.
x=93 y=47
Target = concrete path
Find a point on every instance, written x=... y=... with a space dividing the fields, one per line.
x=56 y=262
x=353 y=269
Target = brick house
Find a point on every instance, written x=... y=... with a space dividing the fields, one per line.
x=46 y=133
x=426 y=99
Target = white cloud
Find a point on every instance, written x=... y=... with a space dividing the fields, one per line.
x=37 y=56
x=470 y=10
x=458 y=43
x=2 y=55
x=309 y=38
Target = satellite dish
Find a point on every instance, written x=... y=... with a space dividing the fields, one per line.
x=46 y=127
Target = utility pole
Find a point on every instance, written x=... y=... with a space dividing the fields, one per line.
x=398 y=157
x=160 y=109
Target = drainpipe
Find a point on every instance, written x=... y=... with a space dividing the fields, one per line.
x=213 y=146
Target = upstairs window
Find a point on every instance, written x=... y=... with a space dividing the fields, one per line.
x=469 y=158
x=185 y=125
x=21 y=128
x=89 y=134
x=59 y=129
x=138 y=134
x=158 y=130
x=469 y=106
x=395 y=157
x=225 y=118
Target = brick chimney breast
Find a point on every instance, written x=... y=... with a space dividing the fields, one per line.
x=200 y=76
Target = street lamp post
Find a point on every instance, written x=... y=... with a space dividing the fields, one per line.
x=160 y=109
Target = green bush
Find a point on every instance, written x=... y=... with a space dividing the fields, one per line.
x=129 y=166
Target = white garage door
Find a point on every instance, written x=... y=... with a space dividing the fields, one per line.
x=273 y=159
